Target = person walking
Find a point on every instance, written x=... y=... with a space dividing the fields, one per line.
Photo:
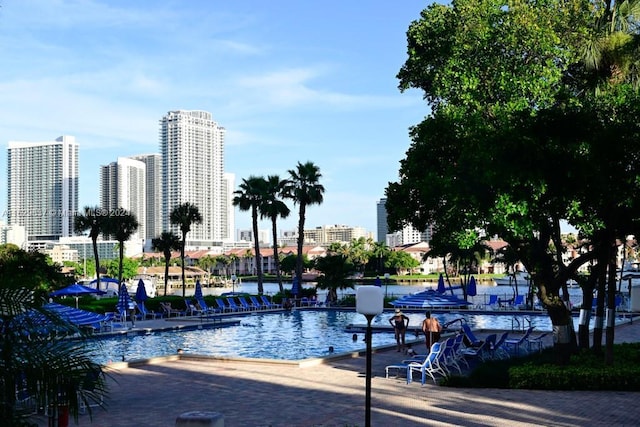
x=431 y=329
x=400 y=323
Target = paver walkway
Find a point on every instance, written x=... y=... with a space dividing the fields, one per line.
x=332 y=394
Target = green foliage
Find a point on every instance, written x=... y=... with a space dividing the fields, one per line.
x=334 y=270
x=47 y=368
x=129 y=268
x=401 y=260
x=586 y=371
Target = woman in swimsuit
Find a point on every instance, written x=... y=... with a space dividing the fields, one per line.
x=400 y=323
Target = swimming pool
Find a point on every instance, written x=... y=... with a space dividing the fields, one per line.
x=295 y=335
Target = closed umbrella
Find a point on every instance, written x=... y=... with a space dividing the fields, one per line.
x=441 y=288
x=141 y=292
x=471 y=287
x=124 y=300
x=76 y=290
x=198 y=292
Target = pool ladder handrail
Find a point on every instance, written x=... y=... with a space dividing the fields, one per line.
x=514 y=320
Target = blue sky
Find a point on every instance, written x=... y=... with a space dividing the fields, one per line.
x=289 y=80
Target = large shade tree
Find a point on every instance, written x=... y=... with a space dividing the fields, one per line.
x=184 y=216
x=166 y=243
x=304 y=188
x=500 y=80
x=249 y=197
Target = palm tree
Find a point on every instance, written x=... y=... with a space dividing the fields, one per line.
x=166 y=243
x=94 y=219
x=45 y=367
x=273 y=207
x=304 y=188
x=184 y=215
x=249 y=197
x=610 y=55
x=121 y=227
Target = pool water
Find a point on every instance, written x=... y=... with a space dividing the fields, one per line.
x=295 y=335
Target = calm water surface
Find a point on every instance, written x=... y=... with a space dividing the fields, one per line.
x=293 y=335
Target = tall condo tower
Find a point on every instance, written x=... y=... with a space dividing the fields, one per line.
x=192 y=147
x=42 y=187
x=122 y=186
x=383 y=229
x=153 y=195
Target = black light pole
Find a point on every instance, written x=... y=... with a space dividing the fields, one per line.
x=367 y=399
x=369 y=302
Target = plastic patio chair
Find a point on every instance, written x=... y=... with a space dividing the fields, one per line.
x=256 y=304
x=246 y=304
x=224 y=307
x=428 y=366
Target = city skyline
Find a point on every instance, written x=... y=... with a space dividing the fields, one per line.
x=289 y=82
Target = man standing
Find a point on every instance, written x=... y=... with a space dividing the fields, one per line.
x=431 y=329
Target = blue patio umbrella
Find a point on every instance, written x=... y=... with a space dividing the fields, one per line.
x=295 y=287
x=198 y=292
x=123 y=299
x=471 y=287
x=441 y=288
x=75 y=290
x=141 y=292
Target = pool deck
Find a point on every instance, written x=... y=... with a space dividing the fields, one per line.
x=332 y=394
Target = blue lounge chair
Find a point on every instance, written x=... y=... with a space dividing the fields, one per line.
x=428 y=366
x=245 y=304
x=224 y=307
x=147 y=314
x=518 y=302
x=233 y=305
x=432 y=365
x=268 y=303
x=202 y=305
x=493 y=302
x=192 y=310
x=256 y=304
x=471 y=339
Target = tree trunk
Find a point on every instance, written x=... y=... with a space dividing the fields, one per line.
x=97 y=260
x=611 y=308
x=276 y=260
x=254 y=215
x=300 y=242
x=166 y=275
x=184 y=284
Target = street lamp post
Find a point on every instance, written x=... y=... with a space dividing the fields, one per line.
x=369 y=302
x=233 y=284
x=386 y=283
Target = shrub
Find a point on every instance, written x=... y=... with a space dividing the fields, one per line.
x=586 y=371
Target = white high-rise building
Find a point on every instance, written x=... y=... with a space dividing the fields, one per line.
x=407 y=235
x=122 y=186
x=43 y=187
x=153 y=191
x=192 y=147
